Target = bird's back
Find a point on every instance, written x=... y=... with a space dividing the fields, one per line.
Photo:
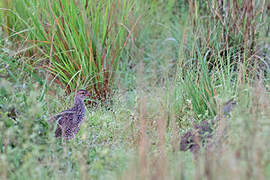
x=68 y=122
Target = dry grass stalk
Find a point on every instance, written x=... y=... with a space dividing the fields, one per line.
x=143 y=141
x=160 y=166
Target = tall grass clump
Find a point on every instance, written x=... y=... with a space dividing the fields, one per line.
x=79 y=41
x=228 y=27
x=221 y=49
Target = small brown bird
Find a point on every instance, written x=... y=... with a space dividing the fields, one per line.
x=202 y=133
x=70 y=120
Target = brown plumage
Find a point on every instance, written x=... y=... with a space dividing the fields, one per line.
x=69 y=121
x=202 y=133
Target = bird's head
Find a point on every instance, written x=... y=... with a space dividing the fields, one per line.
x=82 y=94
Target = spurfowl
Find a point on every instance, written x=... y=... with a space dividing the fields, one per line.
x=202 y=133
x=70 y=120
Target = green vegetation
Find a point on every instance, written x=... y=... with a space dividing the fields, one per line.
x=155 y=68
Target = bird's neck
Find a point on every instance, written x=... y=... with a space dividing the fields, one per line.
x=78 y=102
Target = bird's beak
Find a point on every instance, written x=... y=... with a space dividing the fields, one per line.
x=88 y=94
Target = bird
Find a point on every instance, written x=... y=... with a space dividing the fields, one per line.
x=70 y=120
x=203 y=132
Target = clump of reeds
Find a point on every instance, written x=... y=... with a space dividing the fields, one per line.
x=78 y=42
